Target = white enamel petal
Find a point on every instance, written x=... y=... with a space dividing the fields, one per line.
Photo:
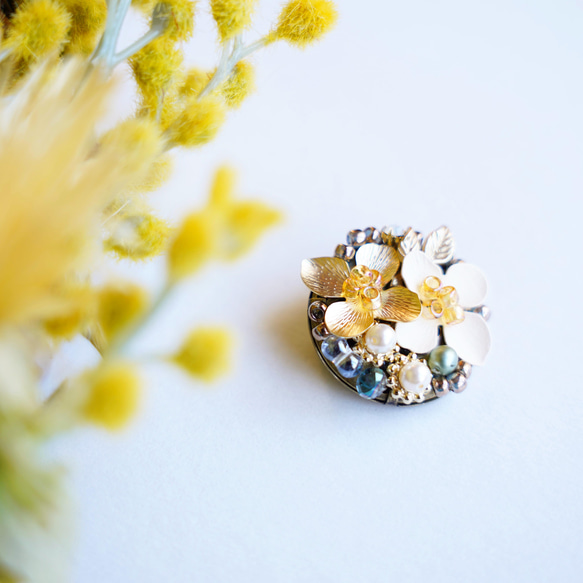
x=416 y=267
x=419 y=336
x=470 y=283
x=470 y=338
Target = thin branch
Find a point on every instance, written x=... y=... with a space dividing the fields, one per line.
x=138 y=45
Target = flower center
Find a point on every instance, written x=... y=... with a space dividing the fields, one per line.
x=364 y=287
x=440 y=302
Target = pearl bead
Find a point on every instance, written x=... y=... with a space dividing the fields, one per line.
x=380 y=339
x=415 y=377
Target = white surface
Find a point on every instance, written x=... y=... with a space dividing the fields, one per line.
x=459 y=112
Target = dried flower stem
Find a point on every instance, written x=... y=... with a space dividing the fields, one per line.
x=233 y=52
x=118 y=9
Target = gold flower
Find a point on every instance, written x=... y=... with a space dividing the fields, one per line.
x=363 y=287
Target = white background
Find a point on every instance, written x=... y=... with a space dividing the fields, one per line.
x=421 y=113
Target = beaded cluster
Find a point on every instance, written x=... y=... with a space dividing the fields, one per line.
x=405 y=353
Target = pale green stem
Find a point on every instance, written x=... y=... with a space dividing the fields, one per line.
x=229 y=61
x=151 y=35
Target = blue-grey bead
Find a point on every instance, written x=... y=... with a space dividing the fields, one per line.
x=371 y=382
x=442 y=360
x=333 y=347
x=349 y=365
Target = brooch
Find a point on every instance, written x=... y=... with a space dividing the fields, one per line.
x=396 y=317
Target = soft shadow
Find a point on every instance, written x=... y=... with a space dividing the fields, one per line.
x=287 y=325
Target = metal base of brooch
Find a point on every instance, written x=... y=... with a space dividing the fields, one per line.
x=396 y=317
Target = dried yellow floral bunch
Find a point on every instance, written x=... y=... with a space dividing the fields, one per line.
x=84 y=201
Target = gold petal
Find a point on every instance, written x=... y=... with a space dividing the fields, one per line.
x=325 y=275
x=343 y=319
x=382 y=258
x=399 y=305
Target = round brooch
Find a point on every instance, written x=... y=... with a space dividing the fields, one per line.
x=396 y=317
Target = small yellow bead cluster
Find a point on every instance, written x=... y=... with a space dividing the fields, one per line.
x=440 y=301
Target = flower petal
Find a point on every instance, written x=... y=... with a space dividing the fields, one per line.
x=399 y=305
x=325 y=275
x=416 y=267
x=343 y=319
x=419 y=336
x=470 y=283
x=470 y=338
x=382 y=258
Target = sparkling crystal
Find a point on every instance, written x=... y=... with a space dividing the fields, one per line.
x=316 y=311
x=394 y=230
x=372 y=235
x=349 y=365
x=349 y=254
x=356 y=237
x=371 y=382
x=333 y=347
x=340 y=251
x=345 y=252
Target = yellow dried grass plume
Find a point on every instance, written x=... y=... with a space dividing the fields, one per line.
x=205 y=353
x=87 y=22
x=54 y=183
x=38 y=27
x=232 y=16
x=113 y=395
x=181 y=21
x=302 y=22
x=239 y=85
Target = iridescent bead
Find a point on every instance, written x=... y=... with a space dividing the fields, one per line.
x=372 y=235
x=345 y=252
x=333 y=347
x=349 y=365
x=442 y=360
x=465 y=368
x=440 y=386
x=320 y=332
x=316 y=311
x=371 y=382
x=356 y=237
x=457 y=382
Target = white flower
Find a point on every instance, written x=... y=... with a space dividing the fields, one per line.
x=445 y=299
